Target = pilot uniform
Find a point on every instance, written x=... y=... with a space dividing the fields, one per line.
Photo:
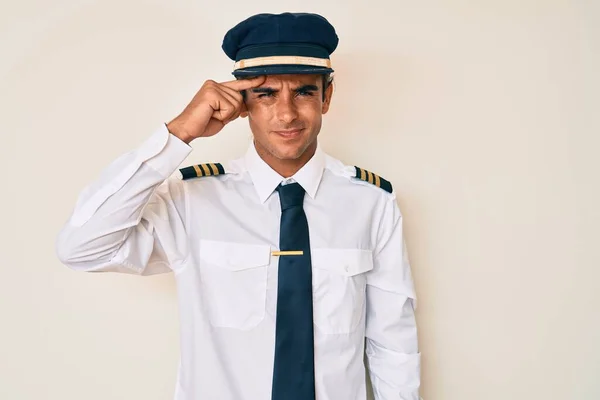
x=279 y=281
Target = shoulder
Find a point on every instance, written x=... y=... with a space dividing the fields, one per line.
x=356 y=175
x=201 y=170
x=211 y=176
x=372 y=178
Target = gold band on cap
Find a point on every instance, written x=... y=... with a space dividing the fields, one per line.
x=286 y=60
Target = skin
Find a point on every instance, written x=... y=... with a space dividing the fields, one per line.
x=284 y=113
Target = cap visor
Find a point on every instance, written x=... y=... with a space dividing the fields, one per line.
x=281 y=70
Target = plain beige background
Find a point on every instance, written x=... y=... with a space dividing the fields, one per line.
x=484 y=115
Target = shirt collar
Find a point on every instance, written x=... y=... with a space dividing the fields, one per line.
x=266 y=180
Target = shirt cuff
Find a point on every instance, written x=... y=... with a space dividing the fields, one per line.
x=174 y=151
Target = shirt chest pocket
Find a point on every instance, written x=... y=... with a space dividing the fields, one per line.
x=234 y=282
x=339 y=288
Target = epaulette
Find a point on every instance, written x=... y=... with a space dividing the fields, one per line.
x=199 y=170
x=374 y=179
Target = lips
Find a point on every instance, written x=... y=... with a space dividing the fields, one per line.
x=289 y=133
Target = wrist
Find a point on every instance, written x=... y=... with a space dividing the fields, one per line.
x=177 y=131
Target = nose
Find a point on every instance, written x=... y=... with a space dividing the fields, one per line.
x=286 y=110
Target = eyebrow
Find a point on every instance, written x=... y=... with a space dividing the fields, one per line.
x=303 y=88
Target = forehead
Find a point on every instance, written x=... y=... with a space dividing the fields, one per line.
x=292 y=80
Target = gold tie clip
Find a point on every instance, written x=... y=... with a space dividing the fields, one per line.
x=287 y=253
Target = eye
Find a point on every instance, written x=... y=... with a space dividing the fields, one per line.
x=265 y=95
x=305 y=93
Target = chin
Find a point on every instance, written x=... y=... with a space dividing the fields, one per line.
x=289 y=150
x=288 y=154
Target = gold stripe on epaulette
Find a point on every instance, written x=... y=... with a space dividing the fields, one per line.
x=214 y=168
x=370 y=175
x=197 y=169
x=363 y=175
x=205 y=169
x=377 y=180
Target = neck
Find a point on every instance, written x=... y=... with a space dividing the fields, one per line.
x=287 y=167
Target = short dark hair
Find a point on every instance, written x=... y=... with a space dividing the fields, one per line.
x=326 y=78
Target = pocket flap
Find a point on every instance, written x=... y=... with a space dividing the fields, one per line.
x=348 y=262
x=234 y=256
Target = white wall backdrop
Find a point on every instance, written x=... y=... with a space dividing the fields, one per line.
x=484 y=115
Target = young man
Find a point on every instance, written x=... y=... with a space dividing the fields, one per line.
x=285 y=259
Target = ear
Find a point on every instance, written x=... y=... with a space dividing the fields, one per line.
x=328 y=95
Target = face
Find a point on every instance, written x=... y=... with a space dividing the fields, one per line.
x=285 y=115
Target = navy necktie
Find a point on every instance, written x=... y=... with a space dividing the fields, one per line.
x=294 y=371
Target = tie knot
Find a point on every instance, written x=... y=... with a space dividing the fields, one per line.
x=291 y=195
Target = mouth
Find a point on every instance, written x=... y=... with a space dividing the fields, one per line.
x=289 y=133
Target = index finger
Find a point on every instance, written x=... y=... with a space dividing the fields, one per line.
x=243 y=84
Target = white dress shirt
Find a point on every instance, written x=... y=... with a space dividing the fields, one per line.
x=217 y=234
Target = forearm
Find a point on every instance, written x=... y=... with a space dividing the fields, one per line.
x=110 y=209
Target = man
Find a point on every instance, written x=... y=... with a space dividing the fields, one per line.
x=285 y=259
